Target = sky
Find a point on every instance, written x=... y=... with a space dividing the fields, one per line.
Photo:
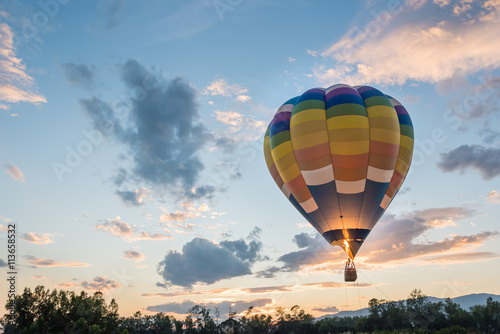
x=131 y=156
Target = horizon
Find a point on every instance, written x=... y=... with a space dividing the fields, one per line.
x=131 y=147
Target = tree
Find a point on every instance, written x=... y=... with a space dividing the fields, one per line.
x=45 y=311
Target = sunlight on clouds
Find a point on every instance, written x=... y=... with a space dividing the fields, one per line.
x=16 y=85
x=222 y=87
x=128 y=232
x=241 y=127
x=493 y=197
x=15 y=173
x=38 y=262
x=441 y=3
x=425 y=51
x=243 y=98
x=36 y=238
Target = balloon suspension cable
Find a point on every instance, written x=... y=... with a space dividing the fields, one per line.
x=347 y=307
x=376 y=287
x=359 y=301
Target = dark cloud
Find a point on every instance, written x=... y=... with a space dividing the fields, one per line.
x=132 y=198
x=393 y=239
x=249 y=252
x=202 y=261
x=484 y=159
x=235 y=306
x=113 y=11
x=103 y=117
x=403 y=239
x=100 y=283
x=3 y=263
x=79 y=74
x=314 y=249
x=472 y=101
x=490 y=136
x=159 y=125
x=329 y=309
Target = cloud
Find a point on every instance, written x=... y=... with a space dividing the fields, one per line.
x=100 y=283
x=37 y=276
x=128 y=232
x=133 y=255
x=15 y=173
x=255 y=290
x=38 y=262
x=393 y=239
x=328 y=309
x=114 y=7
x=484 y=159
x=464 y=257
x=202 y=261
x=80 y=75
x=313 y=250
x=151 y=236
x=222 y=87
x=177 y=219
x=236 y=306
x=493 y=197
x=36 y=238
x=397 y=239
x=240 y=127
x=391 y=49
x=116 y=227
x=243 y=98
x=165 y=134
x=473 y=101
x=67 y=285
x=442 y=217
x=3 y=263
x=178 y=216
x=133 y=198
x=16 y=85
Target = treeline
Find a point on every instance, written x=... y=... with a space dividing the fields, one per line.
x=45 y=311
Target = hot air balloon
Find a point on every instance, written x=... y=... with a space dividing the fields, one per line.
x=340 y=155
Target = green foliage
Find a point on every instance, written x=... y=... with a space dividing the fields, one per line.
x=46 y=311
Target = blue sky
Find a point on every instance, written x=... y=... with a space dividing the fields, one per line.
x=131 y=147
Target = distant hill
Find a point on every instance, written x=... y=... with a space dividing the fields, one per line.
x=464 y=301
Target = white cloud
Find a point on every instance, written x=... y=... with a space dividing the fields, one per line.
x=36 y=238
x=421 y=51
x=133 y=255
x=16 y=85
x=38 y=262
x=243 y=98
x=242 y=127
x=441 y=3
x=493 y=197
x=128 y=232
x=222 y=87
x=116 y=227
x=15 y=173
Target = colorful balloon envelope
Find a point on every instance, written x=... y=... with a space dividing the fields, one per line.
x=340 y=155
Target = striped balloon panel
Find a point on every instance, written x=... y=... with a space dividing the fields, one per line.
x=281 y=160
x=404 y=158
x=340 y=155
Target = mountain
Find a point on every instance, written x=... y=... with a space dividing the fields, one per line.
x=465 y=302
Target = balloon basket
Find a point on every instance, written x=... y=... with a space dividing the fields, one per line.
x=350 y=274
